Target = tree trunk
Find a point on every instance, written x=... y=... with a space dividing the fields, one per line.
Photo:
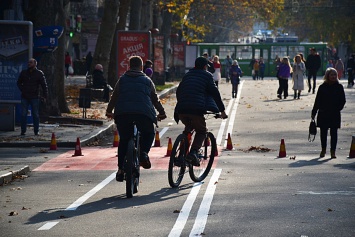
x=112 y=70
x=107 y=31
x=45 y=13
x=135 y=15
x=62 y=102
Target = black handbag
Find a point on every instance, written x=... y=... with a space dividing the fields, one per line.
x=312 y=131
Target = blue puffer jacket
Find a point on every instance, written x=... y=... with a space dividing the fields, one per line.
x=197 y=94
x=134 y=95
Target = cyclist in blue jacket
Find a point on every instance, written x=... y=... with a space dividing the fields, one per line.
x=134 y=99
x=196 y=95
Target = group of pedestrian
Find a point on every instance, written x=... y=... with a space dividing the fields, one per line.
x=257 y=67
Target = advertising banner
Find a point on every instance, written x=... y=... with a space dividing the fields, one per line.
x=158 y=52
x=15 y=41
x=131 y=43
x=179 y=54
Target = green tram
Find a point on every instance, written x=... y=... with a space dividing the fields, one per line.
x=244 y=53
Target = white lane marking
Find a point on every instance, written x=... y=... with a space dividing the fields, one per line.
x=328 y=193
x=89 y=194
x=82 y=199
x=233 y=114
x=161 y=133
x=185 y=211
x=223 y=124
x=202 y=214
x=48 y=225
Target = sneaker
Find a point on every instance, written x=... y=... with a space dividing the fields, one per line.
x=144 y=161
x=192 y=158
x=119 y=176
x=279 y=96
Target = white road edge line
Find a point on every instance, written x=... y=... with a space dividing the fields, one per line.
x=82 y=199
x=233 y=114
x=202 y=214
x=223 y=124
x=48 y=225
x=185 y=211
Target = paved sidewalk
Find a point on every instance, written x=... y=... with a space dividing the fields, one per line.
x=65 y=136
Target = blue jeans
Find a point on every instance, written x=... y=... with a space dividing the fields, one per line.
x=25 y=103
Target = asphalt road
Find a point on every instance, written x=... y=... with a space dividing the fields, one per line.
x=248 y=193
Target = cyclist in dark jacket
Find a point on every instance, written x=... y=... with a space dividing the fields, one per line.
x=29 y=82
x=196 y=94
x=133 y=100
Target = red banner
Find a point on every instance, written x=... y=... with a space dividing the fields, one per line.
x=159 y=65
x=179 y=54
x=131 y=44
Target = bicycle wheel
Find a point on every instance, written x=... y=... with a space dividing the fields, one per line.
x=206 y=155
x=136 y=173
x=130 y=156
x=177 y=165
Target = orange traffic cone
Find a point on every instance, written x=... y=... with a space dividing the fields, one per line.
x=229 y=143
x=352 y=148
x=77 y=148
x=53 y=145
x=170 y=148
x=282 y=152
x=115 y=139
x=157 y=139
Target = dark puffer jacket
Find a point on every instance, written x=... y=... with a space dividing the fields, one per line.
x=29 y=83
x=135 y=94
x=197 y=93
x=330 y=100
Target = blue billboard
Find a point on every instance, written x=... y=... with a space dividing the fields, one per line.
x=16 y=40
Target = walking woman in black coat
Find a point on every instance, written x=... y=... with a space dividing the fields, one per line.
x=330 y=100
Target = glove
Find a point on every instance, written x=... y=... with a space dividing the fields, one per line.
x=160 y=117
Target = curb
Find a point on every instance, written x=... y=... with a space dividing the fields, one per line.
x=8 y=176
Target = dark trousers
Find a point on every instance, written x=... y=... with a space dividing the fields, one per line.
x=198 y=123
x=125 y=130
x=333 y=138
x=283 y=87
x=312 y=73
x=25 y=103
x=350 y=77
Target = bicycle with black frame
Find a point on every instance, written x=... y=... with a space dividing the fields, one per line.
x=181 y=148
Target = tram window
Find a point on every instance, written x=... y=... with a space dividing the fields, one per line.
x=294 y=50
x=244 y=52
x=213 y=52
x=265 y=54
x=225 y=50
x=280 y=51
x=257 y=53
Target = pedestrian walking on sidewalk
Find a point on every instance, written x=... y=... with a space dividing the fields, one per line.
x=351 y=70
x=339 y=66
x=29 y=83
x=297 y=76
x=227 y=65
x=217 y=67
x=313 y=64
x=135 y=99
x=235 y=73
x=284 y=73
x=330 y=100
